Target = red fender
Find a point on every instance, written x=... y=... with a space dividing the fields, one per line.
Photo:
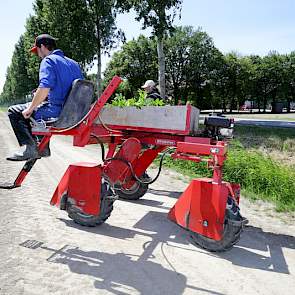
x=81 y=182
x=201 y=207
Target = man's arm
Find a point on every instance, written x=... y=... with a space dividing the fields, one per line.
x=39 y=96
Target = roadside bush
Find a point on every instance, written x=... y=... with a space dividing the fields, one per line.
x=260 y=177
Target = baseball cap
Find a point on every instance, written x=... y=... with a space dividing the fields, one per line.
x=45 y=39
x=149 y=83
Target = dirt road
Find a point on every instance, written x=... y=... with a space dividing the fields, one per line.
x=138 y=250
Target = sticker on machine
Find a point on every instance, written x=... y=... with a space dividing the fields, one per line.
x=165 y=142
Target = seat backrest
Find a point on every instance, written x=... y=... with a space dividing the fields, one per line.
x=77 y=104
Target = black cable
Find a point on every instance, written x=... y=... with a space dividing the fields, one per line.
x=132 y=170
x=101 y=146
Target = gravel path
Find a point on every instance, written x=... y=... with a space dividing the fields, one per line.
x=138 y=250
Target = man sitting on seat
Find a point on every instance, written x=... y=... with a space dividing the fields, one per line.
x=56 y=74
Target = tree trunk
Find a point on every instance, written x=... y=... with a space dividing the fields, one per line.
x=177 y=99
x=264 y=103
x=98 y=76
x=161 y=61
x=259 y=105
x=224 y=105
x=231 y=107
x=98 y=49
x=288 y=105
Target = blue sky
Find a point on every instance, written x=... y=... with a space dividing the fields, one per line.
x=248 y=27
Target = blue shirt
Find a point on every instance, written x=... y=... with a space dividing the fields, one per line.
x=57 y=72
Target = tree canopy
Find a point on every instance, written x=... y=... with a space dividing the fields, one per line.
x=183 y=59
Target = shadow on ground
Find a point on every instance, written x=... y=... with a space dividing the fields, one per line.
x=124 y=273
x=170 y=194
x=256 y=249
x=270 y=247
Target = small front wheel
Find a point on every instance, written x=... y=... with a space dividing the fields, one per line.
x=107 y=199
x=136 y=191
x=233 y=227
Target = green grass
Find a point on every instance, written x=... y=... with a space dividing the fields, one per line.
x=3 y=109
x=260 y=176
x=277 y=139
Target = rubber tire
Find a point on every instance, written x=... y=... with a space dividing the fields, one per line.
x=233 y=227
x=106 y=207
x=137 y=191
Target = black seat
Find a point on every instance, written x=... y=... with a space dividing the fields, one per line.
x=77 y=104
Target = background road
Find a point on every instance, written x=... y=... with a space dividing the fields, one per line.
x=265 y=123
x=138 y=250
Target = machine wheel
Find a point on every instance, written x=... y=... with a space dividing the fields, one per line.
x=233 y=226
x=136 y=191
x=107 y=199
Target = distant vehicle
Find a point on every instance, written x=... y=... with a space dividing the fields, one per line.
x=243 y=108
x=246 y=106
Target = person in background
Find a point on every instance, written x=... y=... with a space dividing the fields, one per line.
x=151 y=89
x=56 y=74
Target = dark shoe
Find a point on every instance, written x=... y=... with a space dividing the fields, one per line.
x=31 y=152
x=45 y=153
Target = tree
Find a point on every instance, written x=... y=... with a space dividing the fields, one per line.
x=289 y=78
x=136 y=60
x=193 y=65
x=255 y=92
x=205 y=61
x=220 y=80
x=155 y=14
x=271 y=74
x=17 y=84
x=238 y=79
x=177 y=62
x=86 y=29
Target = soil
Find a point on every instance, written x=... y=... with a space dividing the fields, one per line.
x=138 y=250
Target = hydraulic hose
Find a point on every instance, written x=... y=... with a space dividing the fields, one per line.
x=101 y=146
x=132 y=170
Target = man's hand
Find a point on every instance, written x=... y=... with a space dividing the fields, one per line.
x=27 y=113
x=39 y=96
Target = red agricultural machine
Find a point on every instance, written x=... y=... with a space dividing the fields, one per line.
x=208 y=208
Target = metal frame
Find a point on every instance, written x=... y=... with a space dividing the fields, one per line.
x=201 y=208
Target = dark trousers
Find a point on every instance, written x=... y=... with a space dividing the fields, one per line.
x=20 y=125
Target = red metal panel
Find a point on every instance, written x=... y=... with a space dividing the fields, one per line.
x=84 y=187
x=200 y=149
x=144 y=129
x=143 y=162
x=61 y=189
x=118 y=171
x=112 y=150
x=81 y=182
x=202 y=140
x=186 y=157
x=208 y=209
x=158 y=139
x=201 y=208
x=180 y=212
